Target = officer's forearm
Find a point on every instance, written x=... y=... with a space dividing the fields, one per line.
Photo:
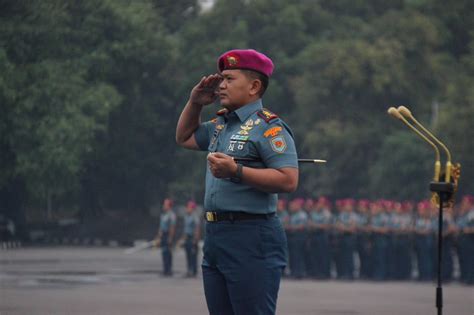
x=188 y=122
x=284 y=180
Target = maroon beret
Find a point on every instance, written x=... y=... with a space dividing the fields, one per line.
x=245 y=59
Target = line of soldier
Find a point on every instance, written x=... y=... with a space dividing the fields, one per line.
x=392 y=240
x=191 y=235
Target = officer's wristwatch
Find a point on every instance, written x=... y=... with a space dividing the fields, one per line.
x=238 y=175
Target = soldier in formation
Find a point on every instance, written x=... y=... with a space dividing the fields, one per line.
x=378 y=240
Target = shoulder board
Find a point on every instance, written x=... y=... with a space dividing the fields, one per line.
x=267 y=115
x=221 y=112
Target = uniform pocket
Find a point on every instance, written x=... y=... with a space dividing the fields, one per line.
x=273 y=243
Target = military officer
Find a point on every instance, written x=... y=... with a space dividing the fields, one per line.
x=165 y=236
x=192 y=235
x=245 y=244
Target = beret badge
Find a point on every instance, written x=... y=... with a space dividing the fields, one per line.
x=232 y=61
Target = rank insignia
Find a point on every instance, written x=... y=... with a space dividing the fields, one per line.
x=278 y=144
x=258 y=121
x=267 y=115
x=220 y=127
x=272 y=132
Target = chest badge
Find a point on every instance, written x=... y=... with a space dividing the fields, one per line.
x=246 y=127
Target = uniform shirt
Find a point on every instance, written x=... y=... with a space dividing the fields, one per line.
x=461 y=221
x=362 y=219
x=191 y=221
x=167 y=219
x=448 y=222
x=245 y=133
x=298 y=218
x=470 y=218
x=321 y=217
x=406 y=221
x=347 y=218
x=422 y=224
x=379 y=220
x=284 y=217
x=394 y=222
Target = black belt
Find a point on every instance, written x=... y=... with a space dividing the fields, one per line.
x=212 y=216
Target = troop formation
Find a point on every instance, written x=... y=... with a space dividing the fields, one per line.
x=349 y=239
x=377 y=240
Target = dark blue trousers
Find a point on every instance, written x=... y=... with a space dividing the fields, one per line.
x=379 y=257
x=166 y=254
x=297 y=247
x=346 y=259
x=242 y=266
x=425 y=256
x=320 y=256
x=362 y=245
x=191 y=254
x=466 y=258
x=403 y=256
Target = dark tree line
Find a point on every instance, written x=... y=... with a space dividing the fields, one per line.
x=90 y=92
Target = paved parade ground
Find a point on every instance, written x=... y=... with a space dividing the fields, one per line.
x=68 y=280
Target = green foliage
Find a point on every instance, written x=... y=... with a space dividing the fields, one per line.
x=404 y=168
x=90 y=92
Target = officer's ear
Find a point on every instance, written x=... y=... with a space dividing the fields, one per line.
x=255 y=87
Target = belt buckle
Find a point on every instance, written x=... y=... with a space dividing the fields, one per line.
x=211 y=216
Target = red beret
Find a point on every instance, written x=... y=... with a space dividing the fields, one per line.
x=468 y=199
x=298 y=201
x=323 y=200
x=191 y=204
x=246 y=59
x=407 y=205
x=363 y=203
x=282 y=202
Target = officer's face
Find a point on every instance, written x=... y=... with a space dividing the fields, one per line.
x=167 y=204
x=235 y=89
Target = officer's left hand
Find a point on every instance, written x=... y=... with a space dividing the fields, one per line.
x=222 y=165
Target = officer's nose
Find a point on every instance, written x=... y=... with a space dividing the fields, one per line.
x=222 y=85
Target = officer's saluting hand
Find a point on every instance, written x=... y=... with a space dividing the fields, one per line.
x=205 y=92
